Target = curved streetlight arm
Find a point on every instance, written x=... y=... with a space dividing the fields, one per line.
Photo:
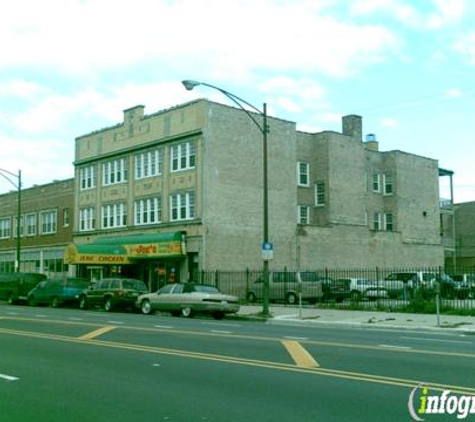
x=189 y=85
x=9 y=173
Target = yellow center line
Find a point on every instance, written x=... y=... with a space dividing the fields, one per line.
x=97 y=333
x=302 y=358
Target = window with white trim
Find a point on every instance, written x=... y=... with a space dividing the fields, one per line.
x=87 y=219
x=114 y=171
x=148 y=164
x=114 y=215
x=388 y=222
x=377 y=221
x=320 y=194
x=388 y=183
x=303 y=174
x=303 y=214
x=148 y=211
x=66 y=217
x=182 y=206
x=376 y=182
x=48 y=221
x=87 y=177
x=31 y=221
x=15 y=229
x=5 y=228
x=182 y=156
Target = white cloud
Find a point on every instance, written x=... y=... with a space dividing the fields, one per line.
x=389 y=122
x=444 y=12
x=21 y=88
x=466 y=46
x=453 y=93
x=236 y=37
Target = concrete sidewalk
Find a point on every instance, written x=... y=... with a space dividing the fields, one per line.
x=316 y=316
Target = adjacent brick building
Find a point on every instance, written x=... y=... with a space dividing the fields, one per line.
x=47 y=215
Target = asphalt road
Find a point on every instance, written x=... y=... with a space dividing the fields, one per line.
x=71 y=365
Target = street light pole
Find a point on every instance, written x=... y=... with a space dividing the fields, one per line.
x=7 y=175
x=264 y=128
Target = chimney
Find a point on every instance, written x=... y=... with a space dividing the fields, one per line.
x=133 y=115
x=353 y=126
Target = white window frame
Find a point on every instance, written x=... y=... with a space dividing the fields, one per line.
x=388 y=184
x=376 y=182
x=389 y=221
x=182 y=206
x=148 y=164
x=5 y=228
x=87 y=219
x=31 y=224
x=87 y=177
x=148 y=211
x=320 y=193
x=114 y=215
x=49 y=221
x=114 y=172
x=182 y=156
x=377 y=221
x=303 y=174
x=303 y=214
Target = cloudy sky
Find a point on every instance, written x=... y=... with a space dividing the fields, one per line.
x=69 y=67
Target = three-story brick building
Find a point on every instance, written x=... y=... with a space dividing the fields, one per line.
x=163 y=195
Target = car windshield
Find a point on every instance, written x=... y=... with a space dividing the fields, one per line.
x=134 y=284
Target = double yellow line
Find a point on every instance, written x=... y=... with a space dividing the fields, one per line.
x=303 y=365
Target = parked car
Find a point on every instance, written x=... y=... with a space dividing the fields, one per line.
x=285 y=286
x=360 y=288
x=187 y=299
x=457 y=287
x=15 y=287
x=336 y=290
x=57 y=291
x=402 y=285
x=112 y=293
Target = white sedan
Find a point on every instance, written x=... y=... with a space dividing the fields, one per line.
x=188 y=298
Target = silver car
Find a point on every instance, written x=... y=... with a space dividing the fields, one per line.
x=187 y=299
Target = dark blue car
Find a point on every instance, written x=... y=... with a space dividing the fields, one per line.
x=57 y=291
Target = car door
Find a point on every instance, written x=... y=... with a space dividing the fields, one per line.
x=162 y=301
x=40 y=292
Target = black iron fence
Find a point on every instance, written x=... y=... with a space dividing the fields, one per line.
x=398 y=289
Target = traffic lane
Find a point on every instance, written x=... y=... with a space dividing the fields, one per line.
x=409 y=364
x=61 y=380
x=216 y=342
x=444 y=342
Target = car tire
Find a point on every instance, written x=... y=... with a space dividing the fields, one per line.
x=108 y=304
x=251 y=297
x=11 y=299
x=218 y=315
x=31 y=301
x=146 y=307
x=186 y=312
x=291 y=299
x=55 y=302
x=82 y=302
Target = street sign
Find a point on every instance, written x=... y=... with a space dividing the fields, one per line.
x=267 y=251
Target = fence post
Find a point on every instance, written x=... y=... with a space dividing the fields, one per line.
x=216 y=279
